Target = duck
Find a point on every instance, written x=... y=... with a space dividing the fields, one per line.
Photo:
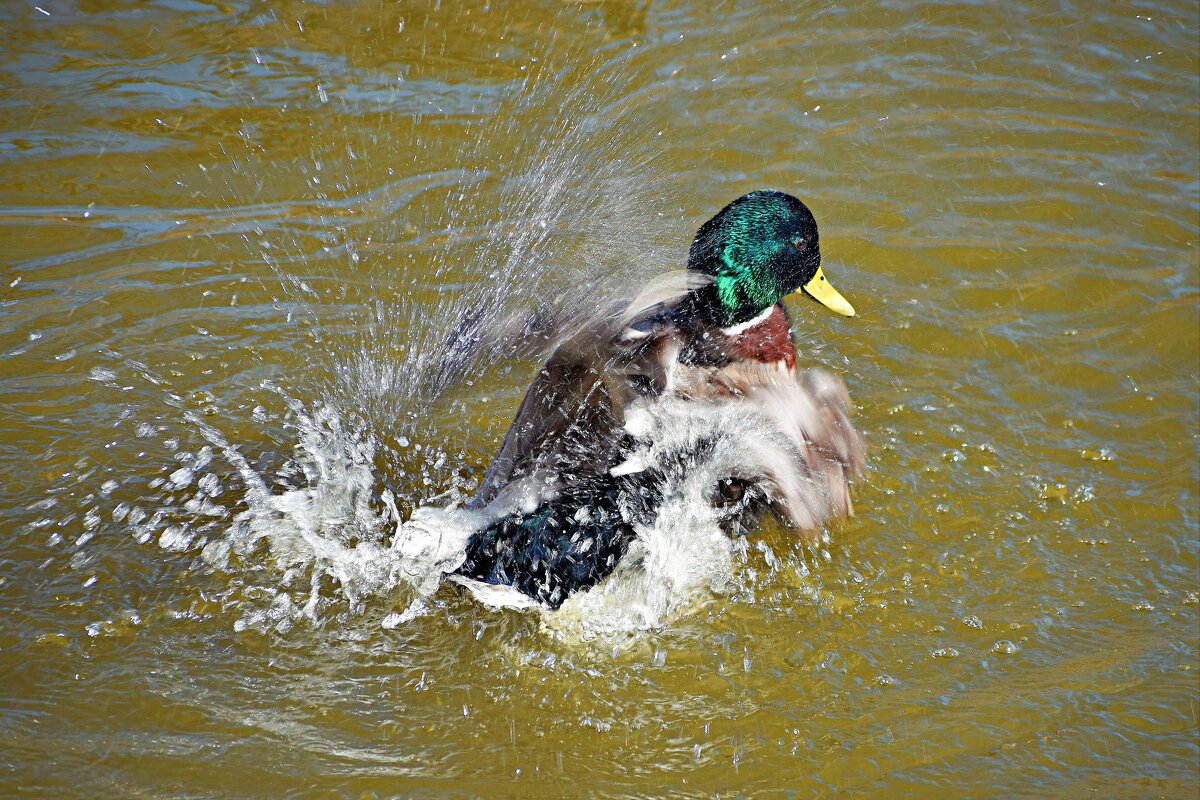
x=578 y=470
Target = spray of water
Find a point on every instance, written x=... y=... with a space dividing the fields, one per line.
x=350 y=503
x=688 y=543
x=575 y=219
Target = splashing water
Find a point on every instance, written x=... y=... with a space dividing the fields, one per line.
x=525 y=249
x=328 y=528
x=578 y=221
x=362 y=516
x=336 y=540
x=684 y=553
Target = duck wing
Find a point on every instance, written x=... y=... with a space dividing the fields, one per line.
x=569 y=424
x=819 y=452
x=562 y=429
x=601 y=391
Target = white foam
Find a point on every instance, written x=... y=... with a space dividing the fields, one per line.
x=334 y=542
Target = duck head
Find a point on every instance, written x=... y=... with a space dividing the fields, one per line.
x=760 y=247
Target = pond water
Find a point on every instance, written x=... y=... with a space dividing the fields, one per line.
x=237 y=237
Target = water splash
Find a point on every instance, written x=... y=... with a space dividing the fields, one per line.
x=523 y=254
x=687 y=550
x=337 y=543
x=560 y=208
x=478 y=266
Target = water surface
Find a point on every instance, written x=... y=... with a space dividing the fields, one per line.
x=236 y=235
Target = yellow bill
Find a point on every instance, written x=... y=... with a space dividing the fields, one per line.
x=823 y=292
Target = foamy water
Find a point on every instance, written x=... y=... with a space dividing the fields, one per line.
x=335 y=541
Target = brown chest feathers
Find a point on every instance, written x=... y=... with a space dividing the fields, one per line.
x=769 y=341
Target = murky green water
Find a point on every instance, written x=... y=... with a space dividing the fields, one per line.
x=229 y=227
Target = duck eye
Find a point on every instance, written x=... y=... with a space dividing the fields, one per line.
x=800 y=244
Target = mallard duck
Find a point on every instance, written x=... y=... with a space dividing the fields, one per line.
x=717 y=334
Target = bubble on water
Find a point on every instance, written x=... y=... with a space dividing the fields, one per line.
x=217 y=553
x=175 y=537
x=210 y=484
x=91 y=519
x=181 y=478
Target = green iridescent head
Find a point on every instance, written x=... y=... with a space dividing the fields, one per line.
x=759 y=248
